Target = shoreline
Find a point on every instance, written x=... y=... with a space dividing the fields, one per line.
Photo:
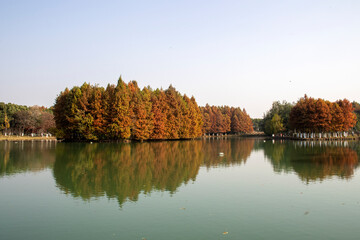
x=260 y=136
x=26 y=138
x=329 y=139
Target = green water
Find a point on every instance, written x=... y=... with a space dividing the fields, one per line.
x=180 y=190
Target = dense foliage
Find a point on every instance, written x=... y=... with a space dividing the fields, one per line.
x=277 y=118
x=17 y=119
x=123 y=111
x=226 y=120
x=357 y=113
x=318 y=115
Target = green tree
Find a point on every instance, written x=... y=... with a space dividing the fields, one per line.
x=275 y=125
x=357 y=113
x=282 y=109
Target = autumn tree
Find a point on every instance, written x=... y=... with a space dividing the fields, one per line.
x=348 y=113
x=206 y=112
x=185 y=117
x=323 y=118
x=126 y=112
x=318 y=115
x=97 y=111
x=196 y=119
x=119 y=112
x=140 y=111
x=225 y=119
x=159 y=112
x=174 y=114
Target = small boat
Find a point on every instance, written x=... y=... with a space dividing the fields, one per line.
x=221 y=154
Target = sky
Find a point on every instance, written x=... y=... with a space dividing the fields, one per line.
x=244 y=54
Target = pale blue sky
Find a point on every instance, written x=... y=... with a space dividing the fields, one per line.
x=237 y=53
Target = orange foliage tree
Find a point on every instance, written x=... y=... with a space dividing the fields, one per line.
x=225 y=120
x=123 y=111
x=318 y=115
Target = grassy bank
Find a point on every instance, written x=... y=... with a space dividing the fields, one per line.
x=25 y=138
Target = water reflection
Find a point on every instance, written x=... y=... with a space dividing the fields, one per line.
x=236 y=151
x=313 y=161
x=18 y=157
x=123 y=171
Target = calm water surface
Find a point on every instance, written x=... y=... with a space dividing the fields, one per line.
x=180 y=190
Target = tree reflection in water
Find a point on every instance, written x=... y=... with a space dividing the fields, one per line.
x=18 y=157
x=123 y=171
x=313 y=161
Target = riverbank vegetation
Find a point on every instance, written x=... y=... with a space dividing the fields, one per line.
x=311 y=115
x=318 y=115
x=22 y=120
x=124 y=111
x=225 y=119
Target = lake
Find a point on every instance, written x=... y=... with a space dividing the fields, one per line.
x=256 y=189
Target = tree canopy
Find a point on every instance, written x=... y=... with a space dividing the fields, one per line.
x=282 y=110
x=18 y=119
x=225 y=119
x=124 y=111
x=318 y=115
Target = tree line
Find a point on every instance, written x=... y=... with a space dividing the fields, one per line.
x=318 y=115
x=124 y=111
x=225 y=119
x=20 y=120
x=311 y=115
